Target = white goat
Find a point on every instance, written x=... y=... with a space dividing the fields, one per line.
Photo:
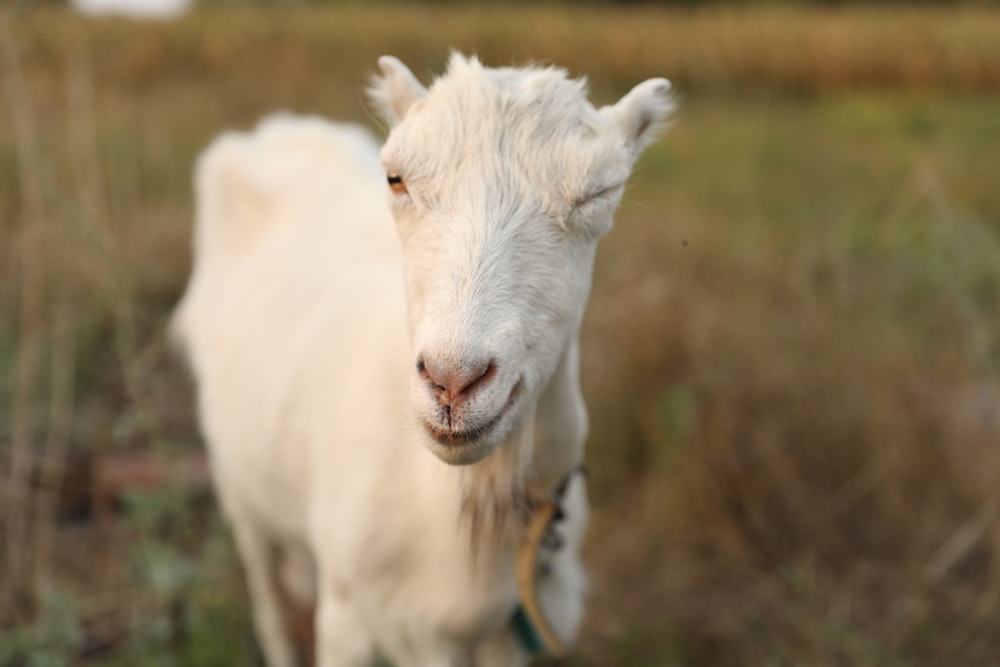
x=390 y=391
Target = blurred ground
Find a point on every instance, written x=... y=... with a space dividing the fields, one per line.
x=790 y=354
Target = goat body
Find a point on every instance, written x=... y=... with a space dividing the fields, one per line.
x=385 y=388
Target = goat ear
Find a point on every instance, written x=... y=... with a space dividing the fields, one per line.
x=395 y=91
x=642 y=113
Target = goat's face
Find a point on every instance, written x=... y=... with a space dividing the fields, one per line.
x=501 y=182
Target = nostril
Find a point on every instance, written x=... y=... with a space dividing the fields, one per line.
x=486 y=373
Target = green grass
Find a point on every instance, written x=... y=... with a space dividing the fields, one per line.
x=799 y=301
x=791 y=353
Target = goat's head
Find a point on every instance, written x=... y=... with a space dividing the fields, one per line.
x=501 y=182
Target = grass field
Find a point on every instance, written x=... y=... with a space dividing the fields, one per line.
x=791 y=353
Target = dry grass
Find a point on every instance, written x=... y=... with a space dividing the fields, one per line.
x=791 y=352
x=810 y=393
x=785 y=47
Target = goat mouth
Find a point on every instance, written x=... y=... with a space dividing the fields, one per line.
x=451 y=437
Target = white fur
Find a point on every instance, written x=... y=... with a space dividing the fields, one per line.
x=311 y=303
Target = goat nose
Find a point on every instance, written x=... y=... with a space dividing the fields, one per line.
x=452 y=384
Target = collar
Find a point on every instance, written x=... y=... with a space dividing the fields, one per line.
x=530 y=624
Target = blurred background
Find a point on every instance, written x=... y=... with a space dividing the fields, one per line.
x=791 y=353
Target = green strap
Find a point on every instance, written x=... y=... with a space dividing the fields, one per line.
x=526 y=633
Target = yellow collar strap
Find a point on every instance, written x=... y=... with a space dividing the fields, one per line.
x=531 y=624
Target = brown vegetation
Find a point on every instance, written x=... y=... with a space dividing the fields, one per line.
x=790 y=355
x=786 y=47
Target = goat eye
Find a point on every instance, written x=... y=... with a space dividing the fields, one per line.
x=396 y=183
x=597 y=194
